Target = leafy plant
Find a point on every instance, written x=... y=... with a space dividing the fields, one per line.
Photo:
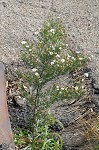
x=46 y=61
x=44 y=140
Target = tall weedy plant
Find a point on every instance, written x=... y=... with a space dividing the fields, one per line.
x=45 y=61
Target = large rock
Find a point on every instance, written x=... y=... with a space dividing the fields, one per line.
x=72 y=139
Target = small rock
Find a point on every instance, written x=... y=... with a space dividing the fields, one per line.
x=96 y=100
x=20 y=101
x=72 y=138
x=86 y=74
x=4 y=4
x=66 y=114
x=96 y=88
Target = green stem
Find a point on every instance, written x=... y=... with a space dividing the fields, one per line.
x=34 y=113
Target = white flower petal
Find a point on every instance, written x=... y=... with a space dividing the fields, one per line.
x=83 y=87
x=78 y=52
x=37 y=74
x=23 y=42
x=27 y=46
x=76 y=88
x=62 y=60
x=68 y=56
x=30 y=50
x=80 y=58
x=73 y=58
x=58 y=56
x=60 y=48
x=58 y=17
x=37 y=32
x=52 y=31
x=82 y=80
x=57 y=87
x=25 y=87
x=52 y=63
x=34 y=69
x=51 y=53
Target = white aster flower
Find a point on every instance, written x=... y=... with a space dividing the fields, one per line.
x=76 y=88
x=89 y=58
x=52 y=31
x=58 y=56
x=60 y=48
x=62 y=88
x=57 y=87
x=30 y=50
x=83 y=87
x=23 y=42
x=37 y=74
x=73 y=58
x=66 y=45
x=37 y=32
x=27 y=46
x=62 y=60
x=37 y=59
x=82 y=80
x=51 y=53
x=78 y=52
x=34 y=69
x=25 y=87
x=58 y=17
x=91 y=110
x=52 y=63
x=68 y=56
x=80 y=58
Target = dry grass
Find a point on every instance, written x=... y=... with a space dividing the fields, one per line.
x=92 y=133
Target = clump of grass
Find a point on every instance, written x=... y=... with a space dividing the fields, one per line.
x=92 y=133
x=48 y=60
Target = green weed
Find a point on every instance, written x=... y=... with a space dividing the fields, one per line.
x=46 y=61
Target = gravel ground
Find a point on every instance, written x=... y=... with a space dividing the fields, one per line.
x=20 y=19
